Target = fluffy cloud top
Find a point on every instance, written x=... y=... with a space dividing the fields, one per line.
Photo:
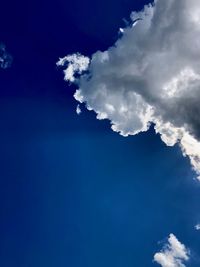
x=173 y=254
x=5 y=57
x=150 y=75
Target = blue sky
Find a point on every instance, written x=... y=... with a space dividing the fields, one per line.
x=73 y=192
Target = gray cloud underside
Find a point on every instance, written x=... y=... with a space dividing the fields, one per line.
x=150 y=75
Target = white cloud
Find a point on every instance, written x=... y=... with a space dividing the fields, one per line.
x=75 y=64
x=150 y=75
x=78 y=110
x=197 y=227
x=173 y=253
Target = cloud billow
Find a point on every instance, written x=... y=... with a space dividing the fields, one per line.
x=173 y=254
x=151 y=75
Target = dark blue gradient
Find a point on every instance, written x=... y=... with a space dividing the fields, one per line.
x=72 y=192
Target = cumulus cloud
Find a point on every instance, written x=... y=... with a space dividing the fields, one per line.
x=5 y=58
x=151 y=75
x=173 y=253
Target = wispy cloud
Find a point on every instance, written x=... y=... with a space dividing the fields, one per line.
x=197 y=227
x=5 y=58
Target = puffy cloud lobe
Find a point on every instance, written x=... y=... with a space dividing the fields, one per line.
x=5 y=58
x=76 y=64
x=150 y=75
x=173 y=254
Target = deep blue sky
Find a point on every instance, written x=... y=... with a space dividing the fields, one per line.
x=72 y=192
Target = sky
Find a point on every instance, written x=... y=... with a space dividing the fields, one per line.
x=75 y=192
